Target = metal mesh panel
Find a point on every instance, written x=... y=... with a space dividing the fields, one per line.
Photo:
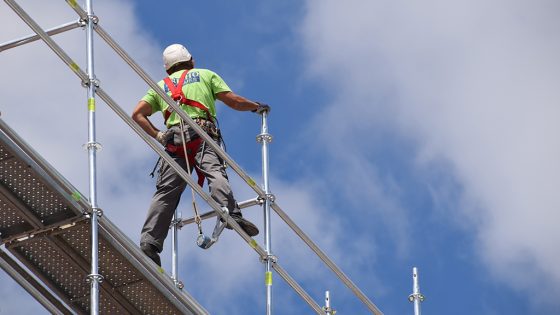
x=154 y=304
x=120 y=274
x=61 y=258
x=114 y=268
x=4 y=155
x=18 y=178
x=10 y=220
x=64 y=273
x=55 y=266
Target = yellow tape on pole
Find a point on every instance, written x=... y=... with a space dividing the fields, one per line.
x=251 y=182
x=74 y=67
x=91 y=104
x=268 y=278
x=253 y=243
x=72 y=3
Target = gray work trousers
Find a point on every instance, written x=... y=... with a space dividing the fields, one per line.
x=170 y=186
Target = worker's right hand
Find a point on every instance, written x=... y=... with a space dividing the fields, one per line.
x=163 y=137
x=262 y=108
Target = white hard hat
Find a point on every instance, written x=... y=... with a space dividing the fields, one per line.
x=174 y=54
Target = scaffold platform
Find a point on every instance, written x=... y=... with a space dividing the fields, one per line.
x=46 y=244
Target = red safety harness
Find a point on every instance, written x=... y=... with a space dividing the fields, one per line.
x=193 y=146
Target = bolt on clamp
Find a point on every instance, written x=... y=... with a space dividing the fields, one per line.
x=88 y=82
x=272 y=258
x=98 y=211
x=94 y=19
x=270 y=197
x=93 y=277
x=90 y=211
x=177 y=220
x=179 y=284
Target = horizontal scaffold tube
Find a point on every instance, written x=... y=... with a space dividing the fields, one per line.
x=211 y=214
x=34 y=37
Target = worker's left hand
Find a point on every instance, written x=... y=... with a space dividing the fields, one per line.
x=163 y=137
x=262 y=108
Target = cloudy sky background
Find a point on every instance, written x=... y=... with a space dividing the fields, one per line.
x=405 y=134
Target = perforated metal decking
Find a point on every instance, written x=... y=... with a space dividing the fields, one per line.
x=44 y=226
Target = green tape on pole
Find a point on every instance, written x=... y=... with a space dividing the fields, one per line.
x=268 y=278
x=91 y=104
x=253 y=243
x=72 y=3
x=76 y=196
x=74 y=67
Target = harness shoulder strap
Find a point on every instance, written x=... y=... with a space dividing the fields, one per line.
x=178 y=95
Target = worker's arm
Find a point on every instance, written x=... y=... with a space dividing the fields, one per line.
x=140 y=116
x=237 y=102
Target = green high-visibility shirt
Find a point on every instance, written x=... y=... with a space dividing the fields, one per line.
x=200 y=85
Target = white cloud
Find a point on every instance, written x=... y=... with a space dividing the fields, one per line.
x=474 y=83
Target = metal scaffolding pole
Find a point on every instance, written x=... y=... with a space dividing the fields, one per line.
x=265 y=138
x=416 y=297
x=92 y=146
x=328 y=310
x=175 y=250
x=34 y=37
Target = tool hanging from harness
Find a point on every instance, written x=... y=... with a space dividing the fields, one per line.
x=194 y=142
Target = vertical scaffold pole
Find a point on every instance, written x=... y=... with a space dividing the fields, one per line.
x=92 y=146
x=328 y=310
x=265 y=138
x=175 y=250
x=416 y=297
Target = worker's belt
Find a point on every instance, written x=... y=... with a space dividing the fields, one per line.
x=209 y=127
x=193 y=142
x=192 y=148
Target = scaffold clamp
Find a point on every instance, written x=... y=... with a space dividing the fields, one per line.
x=264 y=137
x=92 y=145
x=269 y=197
x=93 y=18
x=93 y=82
x=272 y=258
x=416 y=296
x=94 y=277
x=97 y=211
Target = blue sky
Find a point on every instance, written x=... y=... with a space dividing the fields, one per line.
x=405 y=134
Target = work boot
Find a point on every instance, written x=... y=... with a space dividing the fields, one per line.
x=152 y=252
x=246 y=225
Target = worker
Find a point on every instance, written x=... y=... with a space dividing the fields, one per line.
x=196 y=89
